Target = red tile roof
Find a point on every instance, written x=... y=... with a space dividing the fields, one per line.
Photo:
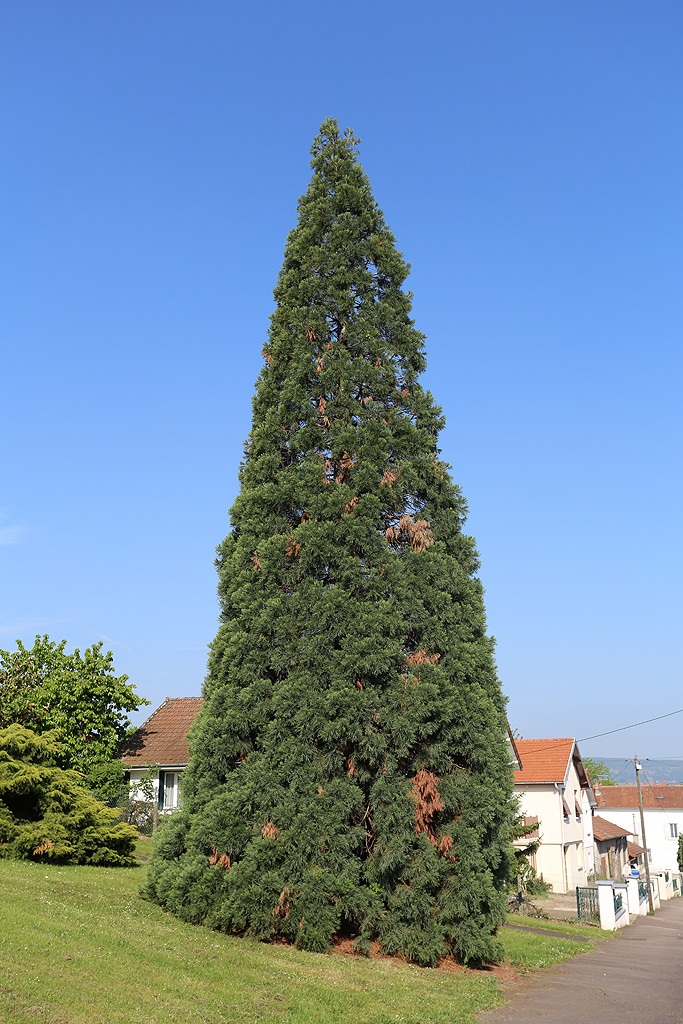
x=658 y=796
x=604 y=829
x=543 y=760
x=162 y=739
x=634 y=850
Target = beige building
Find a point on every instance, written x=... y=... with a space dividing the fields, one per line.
x=554 y=789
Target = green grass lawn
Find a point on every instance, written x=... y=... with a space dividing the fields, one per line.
x=79 y=946
x=589 y=932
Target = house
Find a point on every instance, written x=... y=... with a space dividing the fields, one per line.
x=161 y=744
x=611 y=848
x=663 y=814
x=554 y=790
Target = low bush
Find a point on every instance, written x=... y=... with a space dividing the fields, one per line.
x=46 y=813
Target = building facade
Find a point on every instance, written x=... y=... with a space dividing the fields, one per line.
x=663 y=813
x=553 y=787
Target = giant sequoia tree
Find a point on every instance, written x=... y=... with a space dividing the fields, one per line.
x=349 y=772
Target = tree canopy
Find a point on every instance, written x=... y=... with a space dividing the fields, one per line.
x=46 y=688
x=598 y=772
x=349 y=773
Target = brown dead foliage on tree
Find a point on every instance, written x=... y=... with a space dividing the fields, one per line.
x=270 y=831
x=345 y=464
x=292 y=547
x=219 y=860
x=351 y=505
x=389 y=478
x=351 y=768
x=422 y=658
x=319 y=364
x=322 y=405
x=281 y=908
x=446 y=845
x=405 y=392
x=256 y=561
x=44 y=847
x=428 y=802
x=266 y=355
x=416 y=532
x=310 y=334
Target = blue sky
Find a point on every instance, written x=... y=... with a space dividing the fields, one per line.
x=529 y=159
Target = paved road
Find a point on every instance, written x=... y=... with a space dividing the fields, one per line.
x=635 y=979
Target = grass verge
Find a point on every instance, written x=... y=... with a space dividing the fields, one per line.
x=589 y=932
x=79 y=946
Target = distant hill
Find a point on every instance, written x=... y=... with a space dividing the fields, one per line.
x=623 y=773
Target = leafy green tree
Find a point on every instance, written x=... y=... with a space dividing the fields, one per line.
x=47 y=815
x=349 y=770
x=598 y=772
x=45 y=688
x=680 y=853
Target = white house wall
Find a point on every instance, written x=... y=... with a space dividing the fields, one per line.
x=561 y=858
x=135 y=779
x=663 y=847
x=588 y=837
x=136 y=776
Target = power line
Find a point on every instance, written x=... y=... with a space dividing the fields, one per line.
x=622 y=770
x=623 y=728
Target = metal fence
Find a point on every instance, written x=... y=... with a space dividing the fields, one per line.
x=587 y=907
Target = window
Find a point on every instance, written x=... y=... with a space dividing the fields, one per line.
x=673 y=829
x=168 y=791
x=531 y=819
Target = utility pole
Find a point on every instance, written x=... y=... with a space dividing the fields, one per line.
x=638 y=767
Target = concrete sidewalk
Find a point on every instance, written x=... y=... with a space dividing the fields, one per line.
x=635 y=979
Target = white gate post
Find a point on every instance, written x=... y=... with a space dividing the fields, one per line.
x=633 y=900
x=606 y=905
x=621 y=916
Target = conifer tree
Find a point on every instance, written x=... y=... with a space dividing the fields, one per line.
x=46 y=814
x=349 y=772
